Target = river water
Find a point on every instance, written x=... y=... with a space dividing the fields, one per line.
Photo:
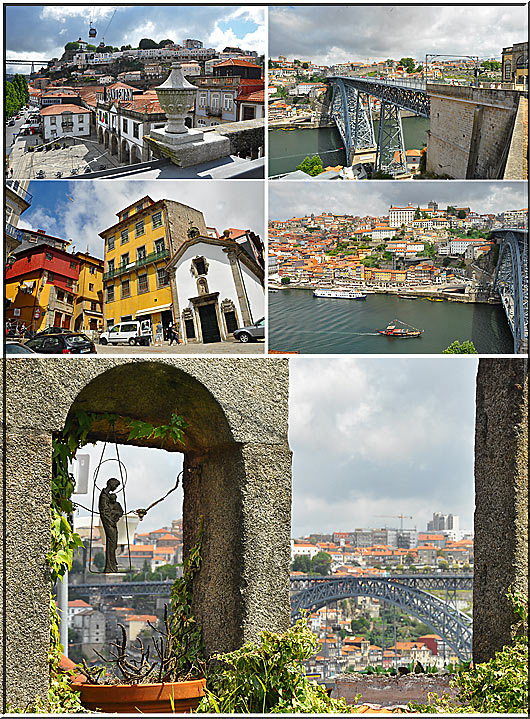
x=287 y=148
x=299 y=321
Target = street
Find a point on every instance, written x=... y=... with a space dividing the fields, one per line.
x=213 y=348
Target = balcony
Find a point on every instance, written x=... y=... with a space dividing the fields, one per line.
x=148 y=259
x=14 y=232
x=15 y=186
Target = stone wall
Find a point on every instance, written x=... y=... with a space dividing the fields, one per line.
x=501 y=500
x=471 y=131
x=389 y=691
x=237 y=477
x=247 y=138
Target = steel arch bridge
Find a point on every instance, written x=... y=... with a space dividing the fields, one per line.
x=511 y=282
x=351 y=110
x=453 y=626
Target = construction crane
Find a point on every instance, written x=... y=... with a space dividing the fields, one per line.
x=395 y=516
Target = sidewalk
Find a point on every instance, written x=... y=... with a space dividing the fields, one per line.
x=213 y=348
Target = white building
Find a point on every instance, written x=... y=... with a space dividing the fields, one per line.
x=300 y=548
x=398 y=216
x=90 y=623
x=217 y=284
x=382 y=232
x=516 y=218
x=459 y=245
x=64 y=120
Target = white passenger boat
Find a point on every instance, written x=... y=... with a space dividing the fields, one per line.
x=340 y=294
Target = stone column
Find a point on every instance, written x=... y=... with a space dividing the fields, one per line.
x=501 y=500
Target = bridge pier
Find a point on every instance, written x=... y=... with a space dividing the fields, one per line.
x=501 y=500
x=390 y=143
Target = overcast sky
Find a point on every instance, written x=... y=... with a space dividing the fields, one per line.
x=328 y=34
x=41 y=32
x=79 y=210
x=290 y=199
x=369 y=437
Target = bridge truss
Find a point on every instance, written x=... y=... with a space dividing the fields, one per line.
x=352 y=113
x=511 y=282
x=453 y=626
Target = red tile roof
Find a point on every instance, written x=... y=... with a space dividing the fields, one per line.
x=236 y=61
x=60 y=109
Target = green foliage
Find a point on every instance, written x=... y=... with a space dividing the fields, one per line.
x=381 y=175
x=408 y=63
x=71 y=46
x=457 y=348
x=268 y=677
x=286 y=281
x=311 y=165
x=301 y=563
x=16 y=95
x=171 y=433
x=147 y=44
x=321 y=563
x=499 y=686
x=491 y=65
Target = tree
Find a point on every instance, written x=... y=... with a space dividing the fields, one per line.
x=311 y=166
x=457 y=348
x=91 y=48
x=71 y=46
x=443 y=564
x=147 y=44
x=286 y=281
x=305 y=65
x=408 y=63
x=461 y=214
x=321 y=563
x=125 y=47
x=99 y=561
x=417 y=213
x=451 y=210
x=164 y=43
x=301 y=563
x=389 y=62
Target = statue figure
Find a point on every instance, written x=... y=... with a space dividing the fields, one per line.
x=110 y=511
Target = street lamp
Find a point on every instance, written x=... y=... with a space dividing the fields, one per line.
x=10 y=260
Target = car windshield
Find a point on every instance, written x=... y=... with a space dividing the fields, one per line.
x=18 y=350
x=75 y=340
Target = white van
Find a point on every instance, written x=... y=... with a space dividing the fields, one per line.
x=133 y=332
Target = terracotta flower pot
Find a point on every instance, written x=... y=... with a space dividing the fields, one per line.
x=180 y=697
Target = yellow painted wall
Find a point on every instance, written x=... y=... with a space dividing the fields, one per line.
x=85 y=294
x=136 y=302
x=27 y=303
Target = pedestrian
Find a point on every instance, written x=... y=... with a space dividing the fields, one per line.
x=173 y=335
x=158 y=334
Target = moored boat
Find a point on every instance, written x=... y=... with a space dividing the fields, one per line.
x=394 y=330
x=407 y=297
x=340 y=294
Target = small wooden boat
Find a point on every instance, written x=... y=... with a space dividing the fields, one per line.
x=407 y=297
x=393 y=330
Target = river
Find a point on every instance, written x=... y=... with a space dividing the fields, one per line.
x=287 y=148
x=299 y=321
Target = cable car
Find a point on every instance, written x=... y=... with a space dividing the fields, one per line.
x=92 y=32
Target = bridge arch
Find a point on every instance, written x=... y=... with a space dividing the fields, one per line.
x=511 y=282
x=452 y=625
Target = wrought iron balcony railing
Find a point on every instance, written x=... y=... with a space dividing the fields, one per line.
x=15 y=186
x=148 y=259
x=14 y=232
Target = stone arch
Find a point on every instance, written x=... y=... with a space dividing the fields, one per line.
x=202 y=286
x=113 y=145
x=125 y=154
x=236 y=476
x=135 y=155
x=100 y=135
x=106 y=139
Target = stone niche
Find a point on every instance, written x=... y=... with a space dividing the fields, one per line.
x=237 y=477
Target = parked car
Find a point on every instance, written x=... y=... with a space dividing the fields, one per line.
x=17 y=348
x=135 y=332
x=252 y=332
x=11 y=123
x=54 y=331
x=62 y=344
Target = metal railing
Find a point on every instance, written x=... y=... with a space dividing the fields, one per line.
x=121 y=269
x=14 y=232
x=15 y=186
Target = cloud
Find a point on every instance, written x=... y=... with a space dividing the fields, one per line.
x=375 y=197
x=95 y=205
x=330 y=34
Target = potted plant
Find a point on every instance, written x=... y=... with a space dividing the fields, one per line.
x=171 y=681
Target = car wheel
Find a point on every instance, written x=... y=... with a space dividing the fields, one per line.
x=132 y=341
x=244 y=337
x=103 y=341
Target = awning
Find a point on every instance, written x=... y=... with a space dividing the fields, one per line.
x=150 y=310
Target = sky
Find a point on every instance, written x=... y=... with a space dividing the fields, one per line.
x=329 y=34
x=369 y=437
x=41 y=32
x=80 y=210
x=375 y=197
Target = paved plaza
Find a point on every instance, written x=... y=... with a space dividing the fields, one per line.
x=213 y=348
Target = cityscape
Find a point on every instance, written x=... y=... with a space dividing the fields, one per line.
x=97 y=109
x=422 y=250
x=265 y=439
x=354 y=113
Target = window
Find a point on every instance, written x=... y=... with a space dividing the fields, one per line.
x=92 y=269
x=202 y=99
x=227 y=103
x=124 y=236
x=125 y=259
x=231 y=322
x=139 y=207
x=200 y=266
x=49 y=256
x=60 y=295
x=201 y=123
x=141 y=254
x=156 y=220
x=94 y=306
x=125 y=288
x=159 y=245
x=136 y=129
x=73 y=265
x=215 y=101
x=110 y=323
x=110 y=293
x=81 y=119
x=110 y=243
x=124 y=125
x=53 y=121
x=190 y=329
x=125 y=214
x=69 y=282
x=110 y=265
x=162 y=277
x=143 y=283
x=507 y=70
x=139 y=228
